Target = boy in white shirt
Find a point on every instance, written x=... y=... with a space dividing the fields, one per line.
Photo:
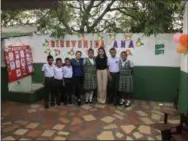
x=68 y=81
x=48 y=79
x=58 y=80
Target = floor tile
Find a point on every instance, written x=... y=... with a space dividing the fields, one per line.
x=128 y=128
x=76 y=120
x=63 y=133
x=151 y=139
x=24 y=139
x=119 y=135
x=118 y=116
x=156 y=116
x=10 y=128
x=34 y=133
x=158 y=137
x=20 y=132
x=21 y=122
x=174 y=121
x=59 y=127
x=106 y=135
x=32 y=110
x=86 y=107
x=146 y=120
x=108 y=119
x=141 y=113
x=63 y=120
x=48 y=133
x=144 y=129
x=100 y=106
x=119 y=112
x=129 y=138
x=35 y=106
x=137 y=135
x=32 y=125
x=9 y=138
x=58 y=138
x=111 y=126
x=6 y=123
x=89 y=117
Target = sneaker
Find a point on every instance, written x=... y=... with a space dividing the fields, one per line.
x=128 y=103
x=86 y=102
x=122 y=103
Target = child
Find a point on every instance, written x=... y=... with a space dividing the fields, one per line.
x=113 y=68
x=125 y=80
x=58 y=80
x=90 y=82
x=77 y=66
x=68 y=81
x=48 y=79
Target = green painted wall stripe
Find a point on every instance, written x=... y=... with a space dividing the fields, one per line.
x=183 y=96
x=150 y=83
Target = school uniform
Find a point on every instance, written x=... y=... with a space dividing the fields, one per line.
x=68 y=82
x=58 y=83
x=113 y=67
x=90 y=81
x=78 y=73
x=126 y=80
x=48 y=86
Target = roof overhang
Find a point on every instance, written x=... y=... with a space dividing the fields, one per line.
x=28 y=4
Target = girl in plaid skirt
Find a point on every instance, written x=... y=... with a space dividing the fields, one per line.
x=126 y=80
x=89 y=76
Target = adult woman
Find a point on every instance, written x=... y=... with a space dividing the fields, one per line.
x=102 y=75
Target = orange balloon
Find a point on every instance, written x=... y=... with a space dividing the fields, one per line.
x=184 y=39
x=181 y=49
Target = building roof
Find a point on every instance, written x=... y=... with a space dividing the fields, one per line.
x=5 y=35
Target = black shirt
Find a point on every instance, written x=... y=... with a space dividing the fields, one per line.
x=101 y=63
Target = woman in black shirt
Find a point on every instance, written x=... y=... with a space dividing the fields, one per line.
x=102 y=75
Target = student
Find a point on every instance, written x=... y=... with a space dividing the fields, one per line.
x=68 y=81
x=102 y=75
x=126 y=80
x=113 y=70
x=58 y=80
x=48 y=79
x=90 y=83
x=77 y=65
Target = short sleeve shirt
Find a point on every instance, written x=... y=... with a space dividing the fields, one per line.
x=58 y=73
x=113 y=64
x=48 y=70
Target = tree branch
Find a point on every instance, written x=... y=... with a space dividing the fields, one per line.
x=102 y=15
x=98 y=4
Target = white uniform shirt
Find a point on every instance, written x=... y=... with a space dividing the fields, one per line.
x=67 y=72
x=90 y=59
x=113 y=64
x=58 y=73
x=131 y=63
x=48 y=70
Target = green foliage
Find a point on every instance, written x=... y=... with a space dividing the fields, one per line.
x=146 y=16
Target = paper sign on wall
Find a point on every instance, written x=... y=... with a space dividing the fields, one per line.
x=19 y=62
x=159 y=49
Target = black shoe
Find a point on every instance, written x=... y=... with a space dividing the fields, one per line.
x=115 y=103
x=90 y=102
x=46 y=106
x=86 y=102
x=79 y=102
x=65 y=103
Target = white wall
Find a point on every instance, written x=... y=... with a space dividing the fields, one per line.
x=142 y=56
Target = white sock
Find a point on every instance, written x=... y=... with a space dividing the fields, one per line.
x=87 y=97
x=91 y=95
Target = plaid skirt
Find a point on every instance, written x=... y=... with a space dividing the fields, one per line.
x=90 y=81
x=125 y=84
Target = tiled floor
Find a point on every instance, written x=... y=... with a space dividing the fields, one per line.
x=89 y=122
